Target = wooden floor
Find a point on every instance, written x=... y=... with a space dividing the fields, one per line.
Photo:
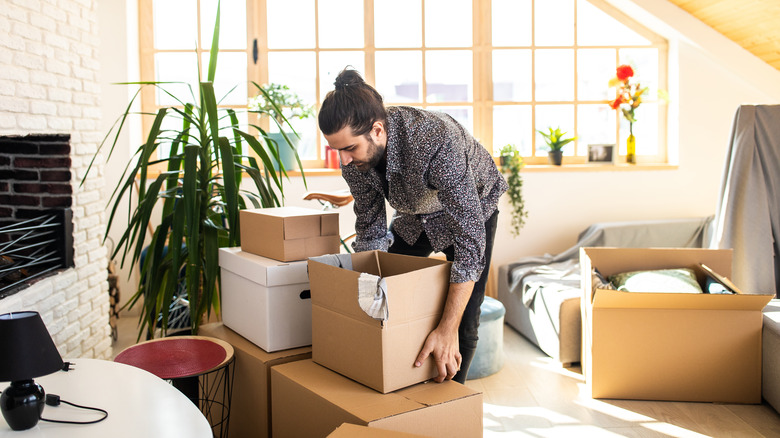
x=533 y=396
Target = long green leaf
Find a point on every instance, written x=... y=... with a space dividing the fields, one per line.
x=214 y=47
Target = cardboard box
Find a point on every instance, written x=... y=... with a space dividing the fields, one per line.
x=348 y=430
x=250 y=407
x=669 y=346
x=289 y=233
x=265 y=300
x=377 y=354
x=312 y=401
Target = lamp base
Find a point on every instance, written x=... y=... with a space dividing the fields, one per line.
x=22 y=404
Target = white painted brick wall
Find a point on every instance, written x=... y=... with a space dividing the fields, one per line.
x=48 y=71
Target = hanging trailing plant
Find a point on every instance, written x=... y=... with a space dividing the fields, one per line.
x=511 y=163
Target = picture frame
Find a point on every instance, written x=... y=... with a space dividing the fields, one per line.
x=602 y=153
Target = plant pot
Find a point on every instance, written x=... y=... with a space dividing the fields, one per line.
x=555 y=157
x=286 y=154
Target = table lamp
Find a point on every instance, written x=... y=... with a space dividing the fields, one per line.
x=27 y=351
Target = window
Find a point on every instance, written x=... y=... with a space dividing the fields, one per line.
x=503 y=68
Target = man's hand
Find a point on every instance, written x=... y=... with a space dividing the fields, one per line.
x=442 y=342
x=443 y=346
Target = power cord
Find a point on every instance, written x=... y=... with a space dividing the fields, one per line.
x=54 y=400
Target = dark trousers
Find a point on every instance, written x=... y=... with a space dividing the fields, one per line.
x=467 y=332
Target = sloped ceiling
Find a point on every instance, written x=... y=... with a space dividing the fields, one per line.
x=753 y=24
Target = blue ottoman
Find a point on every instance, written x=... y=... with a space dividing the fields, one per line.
x=489 y=358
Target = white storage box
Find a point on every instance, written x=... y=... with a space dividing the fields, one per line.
x=266 y=301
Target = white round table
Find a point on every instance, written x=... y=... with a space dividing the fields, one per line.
x=139 y=404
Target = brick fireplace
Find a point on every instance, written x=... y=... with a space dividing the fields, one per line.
x=49 y=88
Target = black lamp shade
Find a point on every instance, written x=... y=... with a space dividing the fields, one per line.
x=26 y=348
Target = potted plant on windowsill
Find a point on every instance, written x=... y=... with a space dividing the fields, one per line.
x=511 y=163
x=192 y=207
x=280 y=104
x=555 y=143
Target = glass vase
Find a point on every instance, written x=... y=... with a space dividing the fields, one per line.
x=631 y=147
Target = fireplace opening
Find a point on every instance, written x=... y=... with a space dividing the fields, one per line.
x=36 y=226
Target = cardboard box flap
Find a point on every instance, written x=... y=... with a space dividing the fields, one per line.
x=431 y=393
x=613 y=299
x=361 y=401
x=329 y=224
x=341 y=284
x=611 y=261
x=406 y=304
x=262 y=270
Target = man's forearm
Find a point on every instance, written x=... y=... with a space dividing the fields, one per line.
x=457 y=299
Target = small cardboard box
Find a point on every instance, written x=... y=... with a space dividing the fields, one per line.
x=378 y=354
x=289 y=233
x=348 y=430
x=312 y=401
x=250 y=407
x=669 y=346
x=265 y=300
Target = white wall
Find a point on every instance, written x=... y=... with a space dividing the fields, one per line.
x=48 y=85
x=715 y=77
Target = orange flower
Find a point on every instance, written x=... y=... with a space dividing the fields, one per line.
x=615 y=104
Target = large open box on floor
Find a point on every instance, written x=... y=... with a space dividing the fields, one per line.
x=669 y=346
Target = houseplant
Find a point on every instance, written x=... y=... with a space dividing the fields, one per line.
x=195 y=200
x=280 y=104
x=511 y=163
x=555 y=143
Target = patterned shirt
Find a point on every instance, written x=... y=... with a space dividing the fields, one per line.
x=439 y=180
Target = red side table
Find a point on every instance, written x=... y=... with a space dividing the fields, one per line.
x=209 y=362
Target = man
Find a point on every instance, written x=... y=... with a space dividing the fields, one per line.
x=444 y=187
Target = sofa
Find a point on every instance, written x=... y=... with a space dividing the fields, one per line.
x=541 y=294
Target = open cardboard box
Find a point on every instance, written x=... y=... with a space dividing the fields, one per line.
x=312 y=401
x=377 y=354
x=669 y=346
x=289 y=233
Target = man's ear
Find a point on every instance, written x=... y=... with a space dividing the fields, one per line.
x=378 y=130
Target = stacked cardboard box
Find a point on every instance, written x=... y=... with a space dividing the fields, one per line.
x=669 y=346
x=362 y=369
x=312 y=401
x=289 y=233
x=250 y=412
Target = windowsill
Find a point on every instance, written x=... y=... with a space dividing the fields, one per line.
x=596 y=167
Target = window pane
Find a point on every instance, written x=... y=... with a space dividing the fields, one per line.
x=512 y=125
x=596 y=28
x=340 y=23
x=645 y=65
x=231 y=72
x=554 y=22
x=331 y=63
x=176 y=67
x=595 y=124
x=511 y=22
x=645 y=130
x=555 y=74
x=388 y=14
x=595 y=67
x=463 y=115
x=175 y=24
x=399 y=76
x=297 y=70
x=232 y=18
x=554 y=116
x=512 y=75
x=448 y=23
x=281 y=34
x=449 y=76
